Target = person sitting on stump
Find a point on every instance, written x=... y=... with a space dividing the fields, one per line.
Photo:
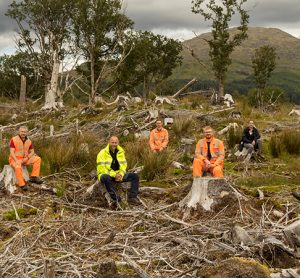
x=159 y=137
x=251 y=139
x=22 y=154
x=209 y=155
x=111 y=169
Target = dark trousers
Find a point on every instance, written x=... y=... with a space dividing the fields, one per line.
x=110 y=185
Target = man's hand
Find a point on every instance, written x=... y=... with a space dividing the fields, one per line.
x=24 y=160
x=161 y=149
x=118 y=177
x=207 y=164
x=253 y=143
x=18 y=163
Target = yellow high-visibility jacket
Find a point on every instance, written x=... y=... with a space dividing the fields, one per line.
x=104 y=160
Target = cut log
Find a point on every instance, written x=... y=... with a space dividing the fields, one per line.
x=208 y=194
x=227 y=128
x=240 y=236
x=8 y=178
x=184 y=88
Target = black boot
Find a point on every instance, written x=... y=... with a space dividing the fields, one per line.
x=36 y=180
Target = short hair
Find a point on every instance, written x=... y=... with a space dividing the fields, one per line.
x=24 y=127
x=113 y=136
x=158 y=120
x=207 y=128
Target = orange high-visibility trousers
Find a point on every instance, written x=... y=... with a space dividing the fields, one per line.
x=199 y=168
x=36 y=166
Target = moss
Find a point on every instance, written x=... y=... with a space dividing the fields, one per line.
x=22 y=212
x=236 y=267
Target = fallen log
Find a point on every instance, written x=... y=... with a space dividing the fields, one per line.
x=184 y=88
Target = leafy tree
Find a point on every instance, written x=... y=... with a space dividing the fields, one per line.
x=43 y=30
x=99 y=29
x=11 y=68
x=151 y=60
x=222 y=44
x=263 y=63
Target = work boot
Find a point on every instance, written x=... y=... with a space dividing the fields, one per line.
x=24 y=188
x=36 y=180
x=134 y=201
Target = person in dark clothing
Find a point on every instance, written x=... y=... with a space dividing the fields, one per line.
x=251 y=139
x=111 y=169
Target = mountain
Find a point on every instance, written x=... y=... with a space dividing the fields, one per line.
x=240 y=74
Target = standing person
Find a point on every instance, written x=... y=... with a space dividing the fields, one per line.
x=22 y=153
x=251 y=139
x=111 y=168
x=209 y=155
x=159 y=137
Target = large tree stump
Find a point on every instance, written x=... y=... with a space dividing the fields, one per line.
x=8 y=178
x=292 y=235
x=208 y=194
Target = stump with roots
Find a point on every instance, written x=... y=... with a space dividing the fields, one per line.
x=207 y=194
x=8 y=178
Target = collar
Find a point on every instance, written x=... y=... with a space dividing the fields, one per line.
x=24 y=138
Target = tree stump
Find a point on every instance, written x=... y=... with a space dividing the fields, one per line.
x=292 y=235
x=8 y=178
x=209 y=195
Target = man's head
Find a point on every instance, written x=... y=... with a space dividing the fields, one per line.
x=113 y=142
x=23 y=131
x=208 y=132
x=158 y=124
x=251 y=124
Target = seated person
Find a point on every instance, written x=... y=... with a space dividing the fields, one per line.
x=159 y=137
x=251 y=139
x=22 y=154
x=209 y=155
x=111 y=168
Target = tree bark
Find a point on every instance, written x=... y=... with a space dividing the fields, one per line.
x=23 y=90
x=51 y=93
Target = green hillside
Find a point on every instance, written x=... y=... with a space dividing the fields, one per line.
x=240 y=76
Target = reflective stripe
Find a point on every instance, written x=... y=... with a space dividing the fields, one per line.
x=103 y=163
x=123 y=162
x=217 y=143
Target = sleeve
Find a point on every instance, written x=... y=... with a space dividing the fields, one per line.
x=257 y=135
x=12 y=144
x=198 y=155
x=166 y=139
x=103 y=167
x=151 y=141
x=30 y=147
x=123 y=166
x=221 y=154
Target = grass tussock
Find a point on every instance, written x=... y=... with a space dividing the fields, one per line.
x=286 y=142
x=138 y=153
x=233 y=137
x=77 y=151
x=181 y=126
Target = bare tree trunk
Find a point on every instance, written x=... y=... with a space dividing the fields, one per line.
x=51 y=94
x=221 y=88
x=93 y=89
x=23 y=90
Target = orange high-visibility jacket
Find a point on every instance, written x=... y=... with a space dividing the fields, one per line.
x=21 y=149
x=216 y=150
x=159 y=139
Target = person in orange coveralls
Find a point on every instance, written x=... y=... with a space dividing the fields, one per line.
x=159 y=137
x=209 y=155
x=22 y=153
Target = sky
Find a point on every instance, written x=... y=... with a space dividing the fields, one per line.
x=174 y=18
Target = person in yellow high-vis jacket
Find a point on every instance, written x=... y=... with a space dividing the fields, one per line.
x=111 y=169
x=209 y=155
